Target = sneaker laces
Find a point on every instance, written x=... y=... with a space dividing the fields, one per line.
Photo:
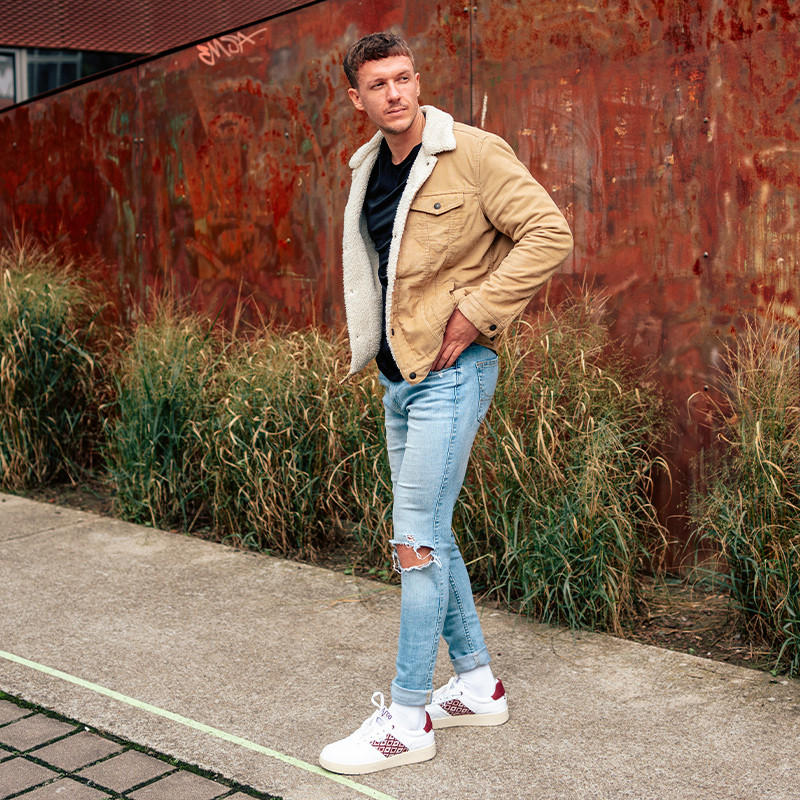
x=379 y=723
x=451 y=689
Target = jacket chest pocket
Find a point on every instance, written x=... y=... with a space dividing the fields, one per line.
x=434 y=222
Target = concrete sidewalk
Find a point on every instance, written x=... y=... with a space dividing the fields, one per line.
x=252 y=651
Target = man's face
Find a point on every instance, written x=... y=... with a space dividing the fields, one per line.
x=387 y=92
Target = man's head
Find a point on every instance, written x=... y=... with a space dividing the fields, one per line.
x=380 y=68
x=374 y=47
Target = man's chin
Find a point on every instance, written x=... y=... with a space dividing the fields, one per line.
x=398 y=127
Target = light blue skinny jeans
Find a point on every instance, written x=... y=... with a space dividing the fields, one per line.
x=430 y=429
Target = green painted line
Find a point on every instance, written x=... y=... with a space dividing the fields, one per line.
x=199 y=726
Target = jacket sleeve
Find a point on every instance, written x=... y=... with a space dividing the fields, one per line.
x=521 y=209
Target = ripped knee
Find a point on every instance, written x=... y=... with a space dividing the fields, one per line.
x=412 y=556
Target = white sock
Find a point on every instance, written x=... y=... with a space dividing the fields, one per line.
x=479 y=681
x=412 y=718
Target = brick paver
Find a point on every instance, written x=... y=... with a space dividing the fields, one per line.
x=32 y=731
x=19 y=773
x=65 y=789
x=77 y=751
x=181 y=786
x=125 y=771
x=117 y=770
x=9 y=712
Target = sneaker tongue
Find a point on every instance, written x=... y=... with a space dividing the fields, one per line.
x=385 y=715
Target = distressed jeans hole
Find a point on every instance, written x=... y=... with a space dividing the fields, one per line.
x=407 y=557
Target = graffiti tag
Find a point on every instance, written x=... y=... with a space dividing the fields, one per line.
x=228 y=46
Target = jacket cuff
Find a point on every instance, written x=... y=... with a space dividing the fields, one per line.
x=485 y=322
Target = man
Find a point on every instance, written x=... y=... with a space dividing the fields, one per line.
x=446 y=238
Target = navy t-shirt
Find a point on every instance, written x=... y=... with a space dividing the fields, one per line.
x=387 y=182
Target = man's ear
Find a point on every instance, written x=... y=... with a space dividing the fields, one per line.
x=355 y=97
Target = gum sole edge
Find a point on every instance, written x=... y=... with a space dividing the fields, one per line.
x=471 y=721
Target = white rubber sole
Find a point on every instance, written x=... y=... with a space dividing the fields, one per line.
x=409 y=757
x=471 y=720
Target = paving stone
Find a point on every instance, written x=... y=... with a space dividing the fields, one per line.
x=77 y=751
x=122 y=772
x=31 y=731
x=19 y=774
x=181 y=785
x=65 y=789
x=239 y=796
x=9 y=712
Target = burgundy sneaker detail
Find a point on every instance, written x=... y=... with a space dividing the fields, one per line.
x=499 y=690
x=455 y=708
x=428 y=724
x=389 y=746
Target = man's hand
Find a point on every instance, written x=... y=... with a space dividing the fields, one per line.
x=459 y=334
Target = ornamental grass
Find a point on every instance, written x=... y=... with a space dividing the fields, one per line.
x=294 y=459
x=48 y=373
x=152 y=451
x=251 y=438
x=752 y=504
x=556 y=516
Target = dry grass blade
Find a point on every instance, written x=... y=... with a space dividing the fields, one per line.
x=48 y=377
x=752 y=506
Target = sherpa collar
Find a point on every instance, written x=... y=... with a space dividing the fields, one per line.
x=437 y=137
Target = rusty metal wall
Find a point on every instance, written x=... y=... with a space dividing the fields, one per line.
x=666 y=131
x=669 y=133
x=246 y=141
x=67 y=173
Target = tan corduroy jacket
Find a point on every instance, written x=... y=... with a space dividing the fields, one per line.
x=473 y=231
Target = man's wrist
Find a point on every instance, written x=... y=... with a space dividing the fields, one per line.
x=480 y=321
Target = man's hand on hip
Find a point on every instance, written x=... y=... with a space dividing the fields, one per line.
x=459 y=334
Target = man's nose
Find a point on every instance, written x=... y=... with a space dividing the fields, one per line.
x=391 y=90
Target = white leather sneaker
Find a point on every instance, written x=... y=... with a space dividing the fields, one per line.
x=453 y=705
x=380 y=743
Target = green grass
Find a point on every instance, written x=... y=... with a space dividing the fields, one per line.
x=267 y=449
x=294 y=458
x=48 y=374
x=555 y=512
x=153 y=450
x=253 y=438
x=752 y=506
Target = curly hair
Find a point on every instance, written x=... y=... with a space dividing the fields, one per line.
x=374 y=47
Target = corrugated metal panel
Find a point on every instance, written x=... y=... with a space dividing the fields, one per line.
x=145 y=27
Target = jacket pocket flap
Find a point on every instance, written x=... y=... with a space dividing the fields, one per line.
x=437 y=203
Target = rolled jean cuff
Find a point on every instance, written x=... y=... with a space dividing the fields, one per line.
x=410 y=697
x=472 y=661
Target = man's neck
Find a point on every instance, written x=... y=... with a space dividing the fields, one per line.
x=401 y=144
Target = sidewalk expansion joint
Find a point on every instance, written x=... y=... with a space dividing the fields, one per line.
x=54 y=529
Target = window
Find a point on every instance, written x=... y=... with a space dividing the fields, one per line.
x=49 y=69
x=8 y=78
x=27 y=73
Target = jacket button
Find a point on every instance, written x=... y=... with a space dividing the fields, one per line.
x=493 y=327
x=413 y=375
x=437 y=205
x=392 y=331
